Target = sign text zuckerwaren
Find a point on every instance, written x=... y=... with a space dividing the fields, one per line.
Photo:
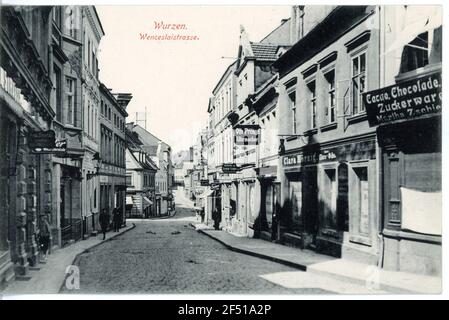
x=406 y=100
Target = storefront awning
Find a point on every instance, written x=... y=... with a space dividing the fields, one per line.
x=146 y=202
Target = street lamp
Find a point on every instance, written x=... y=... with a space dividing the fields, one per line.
x=97 y=166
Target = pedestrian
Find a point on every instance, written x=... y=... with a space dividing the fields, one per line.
x=44 y=239
x=202 y=214
x=116 y=219
x=104 y=222
x=216 y=217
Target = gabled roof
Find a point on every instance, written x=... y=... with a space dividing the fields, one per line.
x=228 y=70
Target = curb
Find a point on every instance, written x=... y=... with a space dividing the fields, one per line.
x=383 y=286
x=77 y=257
x=295 y=265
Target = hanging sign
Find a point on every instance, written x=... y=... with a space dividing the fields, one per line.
x=405 y=100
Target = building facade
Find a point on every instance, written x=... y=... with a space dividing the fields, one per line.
x=112 y=150
x=140 y=180
x=26 y=110
x=409 y=138
x=160 y=154
x=68 y=124
x=347 y=176
x=92 y=32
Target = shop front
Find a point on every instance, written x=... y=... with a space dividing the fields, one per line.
x=330 y=199
x=408 y=121
x=266 y=226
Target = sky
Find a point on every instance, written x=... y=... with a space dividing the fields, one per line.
x=174 y=79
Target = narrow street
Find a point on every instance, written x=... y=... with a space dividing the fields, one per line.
x=169 y=256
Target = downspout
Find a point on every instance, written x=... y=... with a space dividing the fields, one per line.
x=379 y=166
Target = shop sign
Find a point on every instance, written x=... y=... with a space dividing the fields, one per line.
x=230 y=168
x=46 y=142
x=204 y=182
x=347 y=152
x=246 y=135
x=405 y=100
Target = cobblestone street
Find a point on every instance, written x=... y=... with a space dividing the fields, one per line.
x=169 y=256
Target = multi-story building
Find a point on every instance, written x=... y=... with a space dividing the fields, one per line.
x=91 y=34
x=112 y=149
x=140 y=179
x=328 y=169
x=26 y=111
x=221 y=144
x=409 y=137
x=241 y=198
x=68 y=124
x=348 y=189
x=160 y=154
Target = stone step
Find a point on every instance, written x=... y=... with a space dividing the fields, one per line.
x=4 y=257
x=6 y=270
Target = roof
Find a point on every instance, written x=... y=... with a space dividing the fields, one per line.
x=230 y=68
x=264 y=52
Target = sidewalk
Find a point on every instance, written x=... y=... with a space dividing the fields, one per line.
x=47 y=278
x=329 y=267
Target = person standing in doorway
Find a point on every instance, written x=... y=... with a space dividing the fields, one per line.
x=216 y=217
x=104 y=222
x=117 y=219
x=114 y=218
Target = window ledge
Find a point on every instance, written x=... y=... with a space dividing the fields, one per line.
x=311 y=132
x=328 y=127
x=357 y=118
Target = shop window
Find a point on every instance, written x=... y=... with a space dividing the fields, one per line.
x=295 y=193
x=312 y=92
x=330 y=111
x=329 y=198
x=362 y=199
x=358 y=82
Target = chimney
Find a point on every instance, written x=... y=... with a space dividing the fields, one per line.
x=296 y=24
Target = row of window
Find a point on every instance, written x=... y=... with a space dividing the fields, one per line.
x=222 y=102
x=148 y=180
x=357 y=87
x=161 y=186
x=112 y=148
x=107 y=112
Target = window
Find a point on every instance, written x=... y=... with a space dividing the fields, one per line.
x=57 y=88
x=312 y=89
x=362 y=194
x=358 y=82
x=292 y=97
x=95 y=198
x=70 y=92
x=57 y=16
x=129 y=180
x=330 y=77
x=72 y=22
x=88 y=53
x=330 y=199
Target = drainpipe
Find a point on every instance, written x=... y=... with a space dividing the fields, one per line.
x=379 y=196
